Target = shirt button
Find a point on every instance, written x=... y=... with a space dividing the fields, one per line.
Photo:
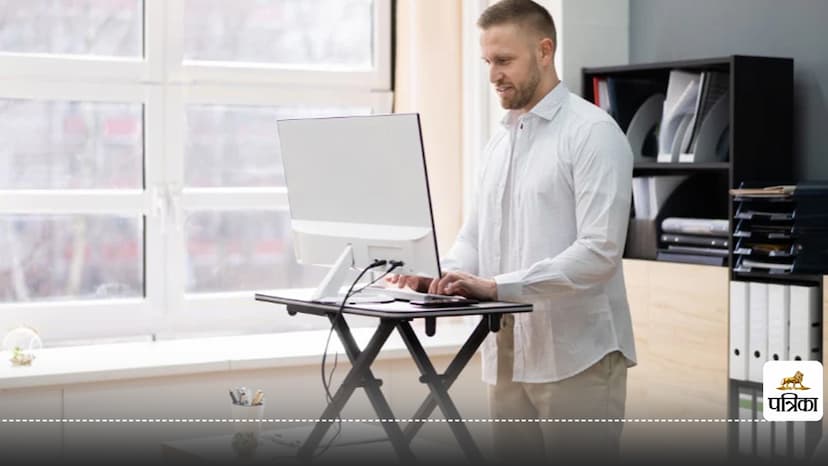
x=521 y=126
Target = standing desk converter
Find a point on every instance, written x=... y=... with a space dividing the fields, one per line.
x=397 y=315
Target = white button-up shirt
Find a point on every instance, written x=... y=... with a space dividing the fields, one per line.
x=549 y=225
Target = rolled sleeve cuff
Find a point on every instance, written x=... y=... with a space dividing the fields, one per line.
x=509 y=286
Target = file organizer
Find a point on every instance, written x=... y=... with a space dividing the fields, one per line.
x=782 y=235
x=747 y=135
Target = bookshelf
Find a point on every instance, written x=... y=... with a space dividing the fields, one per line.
x=759 y=144
x=758 y=140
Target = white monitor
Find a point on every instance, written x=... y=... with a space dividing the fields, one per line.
x=358 y=191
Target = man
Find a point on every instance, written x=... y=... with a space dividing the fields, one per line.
x=548 y=229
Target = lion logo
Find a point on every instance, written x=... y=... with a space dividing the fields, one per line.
x=790 y=383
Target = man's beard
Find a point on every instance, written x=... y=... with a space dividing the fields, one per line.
x=523 y=94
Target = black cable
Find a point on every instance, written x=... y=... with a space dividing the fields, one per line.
x=394 y=265
x=334 y=321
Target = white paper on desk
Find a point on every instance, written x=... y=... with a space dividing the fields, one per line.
x=682 y=95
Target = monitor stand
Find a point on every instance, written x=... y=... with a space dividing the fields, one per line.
x=330 y=289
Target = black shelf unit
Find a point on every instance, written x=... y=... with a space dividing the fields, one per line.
x=811 y=432
x=760 y=144
x=760 y=128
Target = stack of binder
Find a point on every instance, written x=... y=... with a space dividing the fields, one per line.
x=781 y=230
x=769 y=440
x=770 y=322
x=694 y=240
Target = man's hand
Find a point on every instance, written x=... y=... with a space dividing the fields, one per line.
x=420 y=284
x=465 y=284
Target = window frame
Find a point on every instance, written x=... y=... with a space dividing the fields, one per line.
x=201 y=312
x=133 y=315
x=377 y=77
x=165 y=87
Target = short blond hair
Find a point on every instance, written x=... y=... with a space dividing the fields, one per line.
x=523 y=12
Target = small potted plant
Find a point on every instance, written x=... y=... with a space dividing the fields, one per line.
x=22 y=343
x=19 y=358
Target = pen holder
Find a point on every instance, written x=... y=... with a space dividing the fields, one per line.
x=247 y=426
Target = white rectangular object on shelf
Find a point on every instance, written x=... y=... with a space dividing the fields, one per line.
x=805 y=331
x=758 y=330
x=739 y=330
x=778 y=322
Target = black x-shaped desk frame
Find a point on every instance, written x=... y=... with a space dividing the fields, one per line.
x=397 y=315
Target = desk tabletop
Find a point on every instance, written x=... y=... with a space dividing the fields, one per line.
x=298 y=299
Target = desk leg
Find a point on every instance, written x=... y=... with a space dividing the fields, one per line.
x=360 y=375
x=439 y=391
x=453 y=371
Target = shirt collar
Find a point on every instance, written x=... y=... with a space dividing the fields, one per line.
x=546 y=108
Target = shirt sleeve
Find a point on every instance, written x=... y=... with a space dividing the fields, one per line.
x=463 y=253
x=602 y=183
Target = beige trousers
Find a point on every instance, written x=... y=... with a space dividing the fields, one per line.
x=598 y=393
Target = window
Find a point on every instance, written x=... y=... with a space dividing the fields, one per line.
x=81 y=27
x=141 y=189
x=302 y=33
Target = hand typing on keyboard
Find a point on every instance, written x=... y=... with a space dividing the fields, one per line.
x=420 y=284
x=451 y=283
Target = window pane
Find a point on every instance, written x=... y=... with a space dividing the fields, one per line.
x=73 y=27
x=60 y=257
x=236 y=251
x=236 y=146
x=331 y=33
x=70 y=145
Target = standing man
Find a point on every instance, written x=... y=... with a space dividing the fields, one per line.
x=548 y=229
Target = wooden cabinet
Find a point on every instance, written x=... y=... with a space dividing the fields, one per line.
x=679 y=314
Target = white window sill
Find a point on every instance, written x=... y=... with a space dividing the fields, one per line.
x=108 y=362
